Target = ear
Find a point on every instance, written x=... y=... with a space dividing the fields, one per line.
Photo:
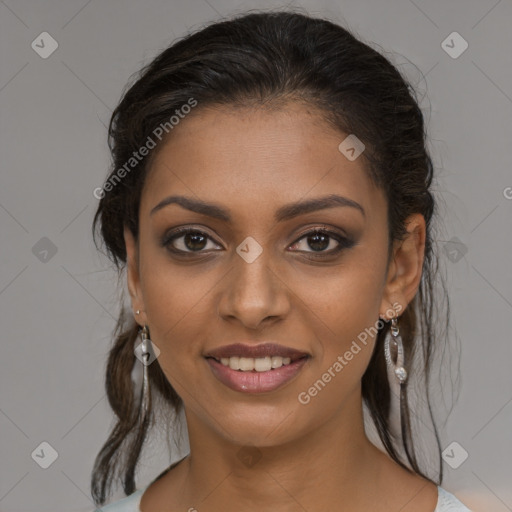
x=405 y=269
x=133 y=277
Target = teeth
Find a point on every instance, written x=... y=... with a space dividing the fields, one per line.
x=260 y=364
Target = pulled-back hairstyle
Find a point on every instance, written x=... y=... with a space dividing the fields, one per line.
x=258 y=59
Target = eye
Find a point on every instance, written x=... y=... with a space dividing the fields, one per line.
x=323 y=242
x=187 y=240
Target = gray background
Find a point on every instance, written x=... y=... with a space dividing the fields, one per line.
x=57 y=310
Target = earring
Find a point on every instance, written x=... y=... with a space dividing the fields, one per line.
x=398 y=366
x=146 y=355
x=398 y=418
x=401 y=409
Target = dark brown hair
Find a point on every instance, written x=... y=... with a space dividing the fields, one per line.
x=259 y=59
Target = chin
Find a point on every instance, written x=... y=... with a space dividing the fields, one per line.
x=257 y=427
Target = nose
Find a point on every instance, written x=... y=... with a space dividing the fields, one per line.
x=253 y=294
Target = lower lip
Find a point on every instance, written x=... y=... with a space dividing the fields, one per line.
x=255 y=382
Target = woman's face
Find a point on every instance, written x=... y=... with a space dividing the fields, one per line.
x=253 y=272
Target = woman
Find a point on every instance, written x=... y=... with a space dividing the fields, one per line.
x=270 y=201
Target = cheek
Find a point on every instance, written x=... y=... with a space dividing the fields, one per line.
x=171 y=305
x=344 y=300
x=345 y=341
x=170 y=291
x=177 y=302
x=342 y=310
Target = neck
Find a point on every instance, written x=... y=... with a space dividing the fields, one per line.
x=331 y=463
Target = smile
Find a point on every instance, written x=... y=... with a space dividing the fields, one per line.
x=255 y=375
x=259 y=364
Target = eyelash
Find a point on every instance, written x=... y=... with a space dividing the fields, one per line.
x=343 y=242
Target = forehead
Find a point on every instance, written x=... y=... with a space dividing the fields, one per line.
x=257 y=157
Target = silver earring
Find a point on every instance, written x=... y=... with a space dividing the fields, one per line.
x=398 y=365
x=137 y=312
x=399 y=429
x=398 y=416
x=146 y=356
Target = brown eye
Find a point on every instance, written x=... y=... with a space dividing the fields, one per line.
x=323 y=242
x=187 y=240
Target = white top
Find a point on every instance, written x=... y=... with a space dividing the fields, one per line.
x=446 y=502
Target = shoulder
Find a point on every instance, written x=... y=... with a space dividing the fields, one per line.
x=447 y=502
x=132 y=503
x=129 y=504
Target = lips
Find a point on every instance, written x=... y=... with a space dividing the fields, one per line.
x=256 y=351
x=253 y=382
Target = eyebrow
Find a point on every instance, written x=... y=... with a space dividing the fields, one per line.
x=286 y=212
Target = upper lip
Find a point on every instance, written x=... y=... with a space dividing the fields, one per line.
x=262 y=350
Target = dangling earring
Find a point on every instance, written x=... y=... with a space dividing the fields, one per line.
x=398 y=366
x=146 y=350
x=400 y=373
x=397 y=376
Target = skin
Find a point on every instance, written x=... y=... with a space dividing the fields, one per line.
x=251 y=162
